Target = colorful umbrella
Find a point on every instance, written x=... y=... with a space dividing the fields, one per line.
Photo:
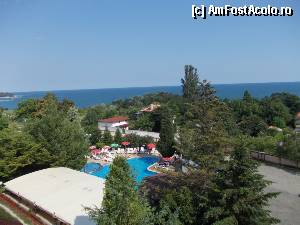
x=96 y=151
x=151 y=146
x=114 y=145
x=125 y=143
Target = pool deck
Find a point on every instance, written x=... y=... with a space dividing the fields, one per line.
x=127 y=156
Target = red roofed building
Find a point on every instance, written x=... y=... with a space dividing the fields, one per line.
x=113 y=123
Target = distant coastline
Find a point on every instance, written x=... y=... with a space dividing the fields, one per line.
x=89 y=97
x=6 y=95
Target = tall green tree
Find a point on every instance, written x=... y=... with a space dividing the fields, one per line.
x=118 y=137
x=63 y=138
x=20 y=154
x=203 y=138
x=190 y=83
x=273 y=110
x=206 y=92
x=167 y=132
x=239 y=195
x=107 y=137
x=121 y=203
x=95 y=135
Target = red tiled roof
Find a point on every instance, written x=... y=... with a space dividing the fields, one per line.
x=114 y=119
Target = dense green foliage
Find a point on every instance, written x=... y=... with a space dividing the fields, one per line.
x=3 y=121
x=46 y=133
x=118 y=137
x=238 y=195
x=201 y=127
x=166 y=142
x=138 y=141
x=190 y=83
x=121 y=203
x=19 y=154
x=290 y=147
x=107 y=137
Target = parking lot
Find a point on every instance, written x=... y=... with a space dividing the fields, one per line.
x=286 y=206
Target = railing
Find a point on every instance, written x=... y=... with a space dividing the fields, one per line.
x=262 y=156
x=20 y=211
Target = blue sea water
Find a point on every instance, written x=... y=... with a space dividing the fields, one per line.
x=90 y=97
x=138 y=166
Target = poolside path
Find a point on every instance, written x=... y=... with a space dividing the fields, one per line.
x=286 y=206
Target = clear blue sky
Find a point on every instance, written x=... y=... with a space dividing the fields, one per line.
x=72 y=44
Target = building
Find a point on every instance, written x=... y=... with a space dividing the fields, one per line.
x=297 y=122
x=57 y=195
x=152 y=107
x=141 y=133
x=121 y=122
x=113 y=123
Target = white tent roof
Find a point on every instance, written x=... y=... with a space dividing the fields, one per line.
x=62 y=191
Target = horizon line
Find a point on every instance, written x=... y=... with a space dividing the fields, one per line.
x=160 y=86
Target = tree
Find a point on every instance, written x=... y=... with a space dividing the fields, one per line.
x=144 y=122
x=121 y=203
x=291 y=147
x=247 y=97
x=167 y=131
x=275 y=110
x=205 y=133
x=289 y=100
x=72 y=113
x=137 y=140
x=190 y=83
x=64 y=139
x=239 y=196
x=20 y=154
x=107 y=138
x=95 y=135
x=89 y=121
x=278 y=122
x=27 y=108
x=118 y=137
x=177 y=206
x=3 y=121
x=206 y=92
x=253 y=125
x=165 y=215
x=93 y=114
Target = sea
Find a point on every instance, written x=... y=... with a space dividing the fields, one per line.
x=90 y=97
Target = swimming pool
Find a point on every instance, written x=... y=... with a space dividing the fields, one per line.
x=138 y=165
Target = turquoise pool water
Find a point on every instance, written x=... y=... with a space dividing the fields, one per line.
x=138 y=165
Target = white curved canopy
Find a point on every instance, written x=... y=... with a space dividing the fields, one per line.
x=62 y=191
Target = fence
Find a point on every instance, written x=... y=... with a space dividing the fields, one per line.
x=19 y=210
x=262 y=156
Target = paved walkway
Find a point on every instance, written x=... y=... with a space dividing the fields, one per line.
x=286 y=206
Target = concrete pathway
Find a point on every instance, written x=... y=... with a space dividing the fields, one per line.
x=286 y=206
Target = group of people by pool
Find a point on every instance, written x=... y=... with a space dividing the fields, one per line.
x=107 y=153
